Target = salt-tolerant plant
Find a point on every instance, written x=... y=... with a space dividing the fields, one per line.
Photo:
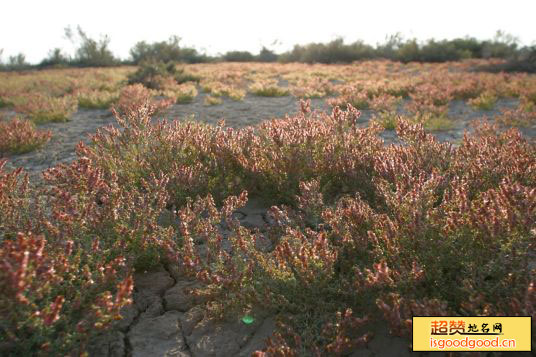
x=387 y=119
x=485 y=101
x=516 y=117
x=87 y=234
x=186 y=93
x=97 y=99
x=429 y=99
x=313 y=87
x=212 y=100
x=19 y=136
x=54 y=298
x=435 y=123
x=137 y=95
x=41 y=109
x=359 y=232
x=354 y=96
x=268 y=89
x=237 y=94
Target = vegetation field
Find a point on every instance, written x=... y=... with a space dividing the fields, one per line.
x=392 y=190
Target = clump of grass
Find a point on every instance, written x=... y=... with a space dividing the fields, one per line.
x=212 y=100
x=19 y=136
x=528 y=102
x=4 y=102
x=387 y=119
x=268 y=89
x=97 y=99
x=186 y=96
x=42 y=108
x=435 y=123
x=217 y=89
x=237 y=94
x=485 y=101
x=183 y=94
x=183 y=76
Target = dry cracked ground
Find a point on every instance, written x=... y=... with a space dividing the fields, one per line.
x=165 y=320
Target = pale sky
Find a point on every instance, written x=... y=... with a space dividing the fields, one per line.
x=34 y=27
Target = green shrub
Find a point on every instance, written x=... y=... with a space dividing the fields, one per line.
x=55 y=59
x=333 y=52
x=156 y=75
x=266 y=55
x=238 y=56
x=169 y=51
x=15 y=63
x=90 y=52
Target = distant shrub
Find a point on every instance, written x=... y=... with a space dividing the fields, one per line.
x=90 y=52
x=333 y=52
x=238 y=56
x=439 y=51
x=523 y=61
x=396 y=48
x=409 y=52
x=55 y=59
x=503 y=45
x=469 y=46
x=266 y=55
x=158 y=75
x=20 y=136
x=163 y=51
x=15 y=63
x=388 y=49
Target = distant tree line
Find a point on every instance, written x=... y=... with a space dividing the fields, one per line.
x=96 y=53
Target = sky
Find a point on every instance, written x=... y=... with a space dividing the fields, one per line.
x=34 y=27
